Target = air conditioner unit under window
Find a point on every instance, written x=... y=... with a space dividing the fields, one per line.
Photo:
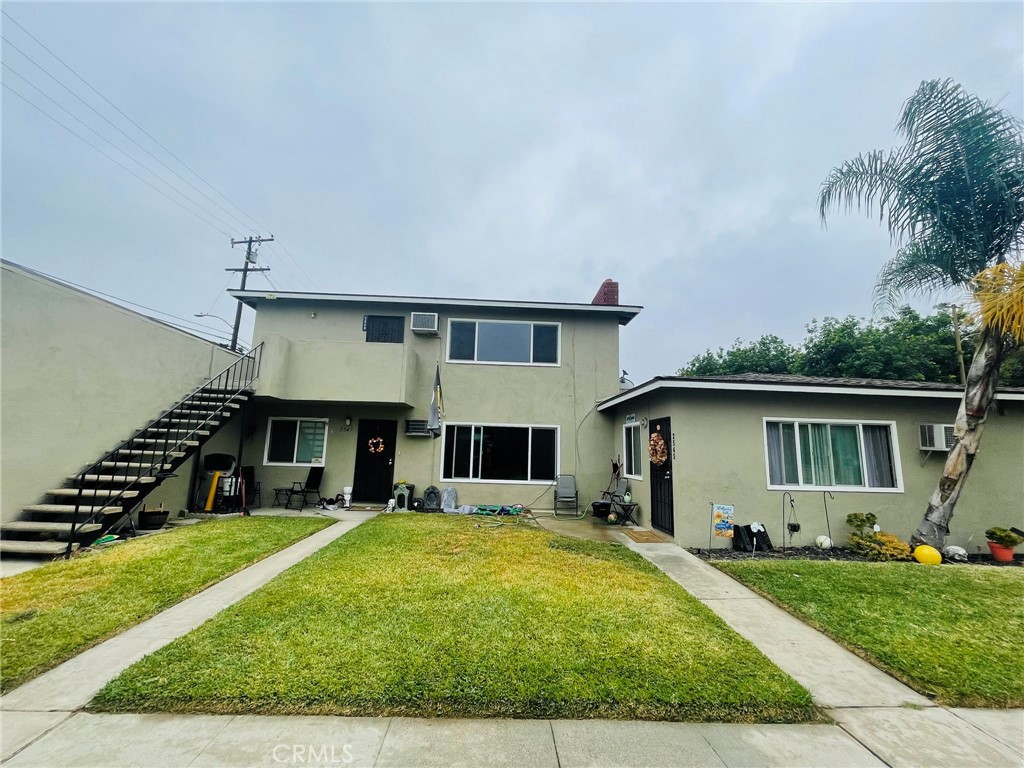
x=424 y=323
x=936 y=437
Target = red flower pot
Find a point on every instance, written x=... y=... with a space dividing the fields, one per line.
x=1000 y=552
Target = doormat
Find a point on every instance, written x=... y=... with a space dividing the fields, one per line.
x=641 y=536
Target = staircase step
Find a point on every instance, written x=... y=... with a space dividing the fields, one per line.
x=140 y=452
x=133 y=465
x=126 y=479
x=197 y=422
x=32 y=526
x=212 y=404
x=93 y=493
x=212 y=412
x=169 y=441
x=67 y=509
x=16 y=547
x=185 y=430
x=216 y=396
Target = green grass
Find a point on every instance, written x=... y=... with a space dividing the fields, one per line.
x=51 y=613
x=432 y=616
x=952 y=632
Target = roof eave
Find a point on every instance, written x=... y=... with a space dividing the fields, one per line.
x=252 y=298
x=660 y=383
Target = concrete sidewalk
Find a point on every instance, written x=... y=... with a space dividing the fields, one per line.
x=894 y=722
x=176 y=741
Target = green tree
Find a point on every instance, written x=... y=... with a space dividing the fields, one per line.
x=952 y=198
x=769 y=354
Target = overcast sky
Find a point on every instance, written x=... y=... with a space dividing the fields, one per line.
x=490 y=151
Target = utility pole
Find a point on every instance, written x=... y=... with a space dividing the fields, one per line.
x=250 y=258
x=959 y=348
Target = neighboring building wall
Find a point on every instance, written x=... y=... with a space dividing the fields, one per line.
x=720 y=457
x=79 y=375
x=325 y=362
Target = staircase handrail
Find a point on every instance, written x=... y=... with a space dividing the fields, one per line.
x=235 y=378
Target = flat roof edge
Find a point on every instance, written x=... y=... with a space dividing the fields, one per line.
x=656 y=384
x=626 y=312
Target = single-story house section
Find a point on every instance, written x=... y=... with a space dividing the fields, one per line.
x=860 y=445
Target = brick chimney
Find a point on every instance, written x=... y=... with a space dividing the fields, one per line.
x=607 y=294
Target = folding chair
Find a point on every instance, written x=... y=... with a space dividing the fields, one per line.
x=300 y=489
x=566 y=492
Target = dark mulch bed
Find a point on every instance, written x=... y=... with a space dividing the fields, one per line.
x=814 y=553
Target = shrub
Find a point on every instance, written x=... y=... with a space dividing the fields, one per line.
x=881 y=546
x=1003 y=536
x=861 y=520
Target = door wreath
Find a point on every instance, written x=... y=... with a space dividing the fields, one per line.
x=376 y=445
x=657 y=450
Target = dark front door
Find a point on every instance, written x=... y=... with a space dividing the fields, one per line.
x=662 y=516
x=375 y=460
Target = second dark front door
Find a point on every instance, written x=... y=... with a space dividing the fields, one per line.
x=662 y=515
x=375 y=460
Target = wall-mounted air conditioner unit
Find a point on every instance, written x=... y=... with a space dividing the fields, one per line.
x=417 y=428
x=936 y=437
x=424 y=323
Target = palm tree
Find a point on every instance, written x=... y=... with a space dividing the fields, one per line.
x=952 y=198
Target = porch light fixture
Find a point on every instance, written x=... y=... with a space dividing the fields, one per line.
x=348 y=421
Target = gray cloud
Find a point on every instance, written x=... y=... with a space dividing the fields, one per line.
x=510 y=151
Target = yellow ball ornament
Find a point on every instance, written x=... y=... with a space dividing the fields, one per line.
x=927 y=555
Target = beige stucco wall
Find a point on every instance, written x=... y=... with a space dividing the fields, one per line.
x=77 y=376
x=393 y=381
x=720 y=457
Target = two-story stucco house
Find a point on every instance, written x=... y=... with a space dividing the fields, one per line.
x=346 y=383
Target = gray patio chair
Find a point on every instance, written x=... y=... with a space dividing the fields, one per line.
x=566 y=492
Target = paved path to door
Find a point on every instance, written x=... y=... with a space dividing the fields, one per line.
x=894 y=722
x=50 y=698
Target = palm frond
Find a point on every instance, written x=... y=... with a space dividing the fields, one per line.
x=915 y=269
x=999 y=293
x=952 y=197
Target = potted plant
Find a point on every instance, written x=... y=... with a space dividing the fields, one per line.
x=1001 y=542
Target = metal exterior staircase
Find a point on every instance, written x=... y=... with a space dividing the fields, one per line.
x=103 y=496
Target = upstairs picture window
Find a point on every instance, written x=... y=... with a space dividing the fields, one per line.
x=296 y=442
x=384 y=329
x=831 y=455
x=632 y=452
x=484 y=452
x=487 y=341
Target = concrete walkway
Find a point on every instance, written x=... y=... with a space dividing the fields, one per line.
x=42 y=702
x=894 y=722
x=881 y=722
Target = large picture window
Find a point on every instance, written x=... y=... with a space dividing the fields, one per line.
x=490 y=341
x=495 y=453
x=837 y=455
x=296 y=442
x=632 y=452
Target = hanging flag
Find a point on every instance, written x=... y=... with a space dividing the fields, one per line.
x=436 y=404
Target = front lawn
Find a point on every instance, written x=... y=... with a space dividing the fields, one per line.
x=49 y=614
x=953 y=632
x=429 y=615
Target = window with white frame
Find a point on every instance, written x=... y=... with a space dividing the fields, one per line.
x=631 y=451
x=493 y=341
x=838 y=455
x=499 y=453
x=296 y=442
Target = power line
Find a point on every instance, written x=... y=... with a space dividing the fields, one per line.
x=71 y=69
x=284 y=252
x=115 y=161
x=104 y=138
x=118 y=128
